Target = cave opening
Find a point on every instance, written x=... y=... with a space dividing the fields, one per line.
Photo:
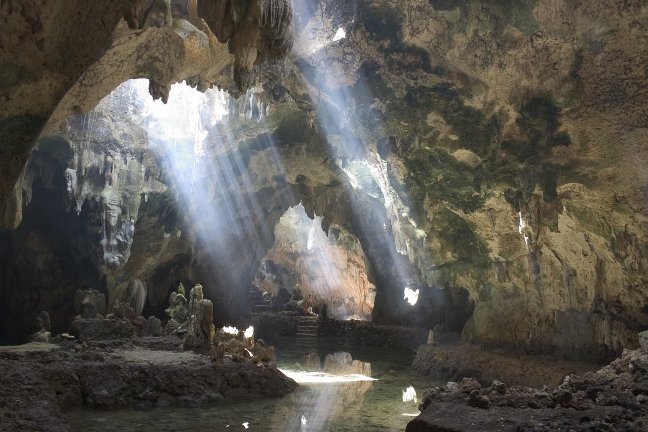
x=327 y=271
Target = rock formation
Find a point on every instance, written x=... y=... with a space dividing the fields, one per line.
x=177 y=311
x=200 y=327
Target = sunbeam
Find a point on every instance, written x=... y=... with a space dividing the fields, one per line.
x=353 y=144
x=195 y=143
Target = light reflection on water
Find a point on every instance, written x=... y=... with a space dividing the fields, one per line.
x=340 y=399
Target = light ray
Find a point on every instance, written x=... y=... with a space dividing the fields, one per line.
x=353 y=145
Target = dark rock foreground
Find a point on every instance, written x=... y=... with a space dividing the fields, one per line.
x=614 y=398
x=39 y=381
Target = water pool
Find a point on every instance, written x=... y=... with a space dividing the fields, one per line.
x=368 y=390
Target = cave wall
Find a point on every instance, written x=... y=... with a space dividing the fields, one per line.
x=517 y=130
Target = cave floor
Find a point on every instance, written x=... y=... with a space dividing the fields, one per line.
x=39 y=383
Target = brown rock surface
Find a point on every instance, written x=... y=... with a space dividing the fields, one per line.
x=36 y=385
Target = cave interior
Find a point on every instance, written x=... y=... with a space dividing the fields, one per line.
x=284 y=215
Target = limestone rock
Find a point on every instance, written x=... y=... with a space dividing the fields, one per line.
x=201 y=317
x=177 y=309
x=643 y=341
x=467 y=158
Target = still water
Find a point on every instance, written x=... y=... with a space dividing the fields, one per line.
x=366 y=390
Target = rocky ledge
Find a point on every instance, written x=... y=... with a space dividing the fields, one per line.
x=39 y=381
x=455 y=361
x=614 y=398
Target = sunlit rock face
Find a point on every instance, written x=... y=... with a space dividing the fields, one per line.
x=519 y=143
x=328 y=268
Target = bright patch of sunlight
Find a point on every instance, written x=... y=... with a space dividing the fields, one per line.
x=311 y=238
x=249 y=332
x=409 y=394
x=230 y=330
x=521 y=226
x=323 y=377
x=339 y=34
x=411 y=296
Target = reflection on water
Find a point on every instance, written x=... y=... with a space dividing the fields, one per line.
x=338 y=393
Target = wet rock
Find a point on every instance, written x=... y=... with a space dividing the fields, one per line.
x=35 y=386
x=101 y=329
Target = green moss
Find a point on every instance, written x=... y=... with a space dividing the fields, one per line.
x=436 y=173
x=538 y=122
x=475 y=130
x=382 y=22
x=458 y=236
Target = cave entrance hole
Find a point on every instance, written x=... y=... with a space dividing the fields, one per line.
x=323 y=270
